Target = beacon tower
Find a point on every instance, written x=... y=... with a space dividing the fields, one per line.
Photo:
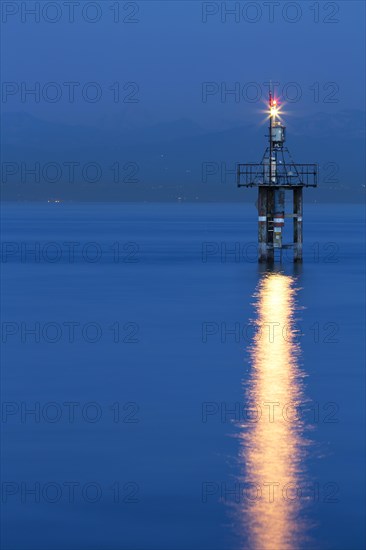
x=275 y=175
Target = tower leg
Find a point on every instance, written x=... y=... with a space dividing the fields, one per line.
x=270 y=216
x=279 y=218
x=298 y=225
x=262 y=224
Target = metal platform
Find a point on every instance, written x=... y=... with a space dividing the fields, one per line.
x=287 y=175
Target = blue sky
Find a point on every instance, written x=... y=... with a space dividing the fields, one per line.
x=173 y=48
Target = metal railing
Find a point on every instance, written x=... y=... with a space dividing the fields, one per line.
x=284 y=175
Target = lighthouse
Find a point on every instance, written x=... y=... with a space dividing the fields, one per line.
x=275 y=175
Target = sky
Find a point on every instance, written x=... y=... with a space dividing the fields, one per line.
x=159 y=61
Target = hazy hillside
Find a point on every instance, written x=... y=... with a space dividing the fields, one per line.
x=171 y=161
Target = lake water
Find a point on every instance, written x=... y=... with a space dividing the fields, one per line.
x=161 y=391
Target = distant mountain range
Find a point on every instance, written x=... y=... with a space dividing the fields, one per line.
x=171 y=161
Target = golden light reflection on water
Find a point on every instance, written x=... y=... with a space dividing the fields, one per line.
x=272 y=447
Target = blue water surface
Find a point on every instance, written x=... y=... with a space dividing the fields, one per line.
x=136 y=332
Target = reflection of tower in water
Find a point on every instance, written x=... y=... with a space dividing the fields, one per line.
x=272 y=445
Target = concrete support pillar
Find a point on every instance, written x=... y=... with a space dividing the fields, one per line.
x=279 y=217
x=298 y=224
x=262 y=224
x=270 y=216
